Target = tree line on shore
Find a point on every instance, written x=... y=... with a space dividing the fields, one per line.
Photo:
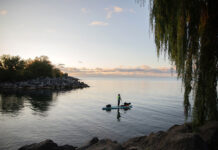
x=13 y=68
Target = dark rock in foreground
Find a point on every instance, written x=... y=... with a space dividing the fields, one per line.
x=60 y=83
x=178 y=137
x=47 y=145
x=104 y=144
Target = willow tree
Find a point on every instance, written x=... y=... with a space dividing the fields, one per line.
x=187 y=31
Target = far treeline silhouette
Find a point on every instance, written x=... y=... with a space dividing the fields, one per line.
x=13 y=68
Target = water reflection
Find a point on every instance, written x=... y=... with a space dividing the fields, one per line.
x=11 y=104
x=157 y=105
x=118 y=115
x=39 y=100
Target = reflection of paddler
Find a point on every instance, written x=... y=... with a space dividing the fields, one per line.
x=118 y=115
x=118 y=99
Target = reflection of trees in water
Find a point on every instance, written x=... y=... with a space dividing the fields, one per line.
x=12 y=101
x=10 y=104
x=40 y=100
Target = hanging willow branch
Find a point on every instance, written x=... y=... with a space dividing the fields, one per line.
x=187 y=30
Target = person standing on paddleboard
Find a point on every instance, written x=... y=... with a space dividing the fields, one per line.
x=118 y=99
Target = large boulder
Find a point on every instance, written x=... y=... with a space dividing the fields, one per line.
x=209 y=133
x=44 y=145
x=47 y=145
x=90 y=143
x=105 y=144
x=178 y=137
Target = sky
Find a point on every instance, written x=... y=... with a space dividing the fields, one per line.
x=81 y=34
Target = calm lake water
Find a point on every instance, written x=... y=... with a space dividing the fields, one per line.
x=74 y=117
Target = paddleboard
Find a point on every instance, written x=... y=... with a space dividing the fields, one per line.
x=117 y=107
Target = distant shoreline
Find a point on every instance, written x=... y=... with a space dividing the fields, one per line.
x=59 y=83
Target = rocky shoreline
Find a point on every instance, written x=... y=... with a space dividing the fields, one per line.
x=60 y=83
x=178 y=137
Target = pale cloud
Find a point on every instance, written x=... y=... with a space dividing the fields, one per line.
x=110 y=11
x=84 y=10
x=117 y=9
x=140 y=71
x=3 y=12
x=109 y=14
x=132 y=11
x=107 y=9
x=98 y=23
x=51 y=30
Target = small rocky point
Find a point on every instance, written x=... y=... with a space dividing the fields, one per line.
x=178 y=137
x=60 y=83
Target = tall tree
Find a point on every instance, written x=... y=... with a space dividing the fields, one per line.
x=11 y=68
x=187 y=31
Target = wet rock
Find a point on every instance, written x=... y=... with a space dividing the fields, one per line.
x=184 y=128
x=47 y=145
x=209 y=133
x=66 y=147
x=182 y=141
x=90 y=143
x=136 y=143
x=178 y=137
x=44 y=145
x=93 y=141
x=105 y=144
